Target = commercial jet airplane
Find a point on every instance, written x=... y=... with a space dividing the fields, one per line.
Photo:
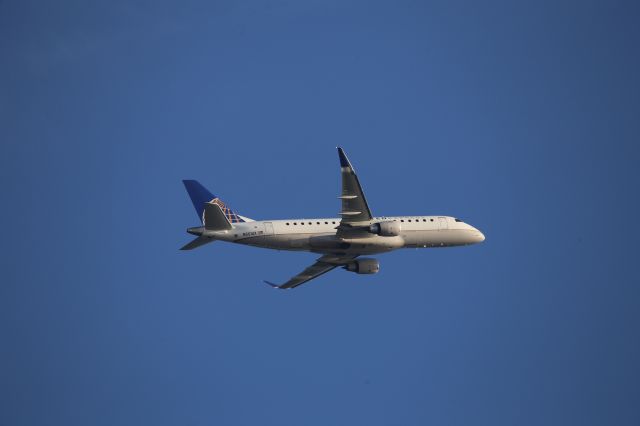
x=340 y=241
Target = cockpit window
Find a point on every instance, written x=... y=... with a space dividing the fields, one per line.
x=458 y=220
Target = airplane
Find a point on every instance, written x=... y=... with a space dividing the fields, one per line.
x=340 y=241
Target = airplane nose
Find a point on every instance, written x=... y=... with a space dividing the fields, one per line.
x=478 y=237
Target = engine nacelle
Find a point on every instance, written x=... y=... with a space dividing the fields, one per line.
x=386 y=229
x=363 y=266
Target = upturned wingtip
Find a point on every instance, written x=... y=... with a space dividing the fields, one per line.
x=344 y=161
x=271 y=284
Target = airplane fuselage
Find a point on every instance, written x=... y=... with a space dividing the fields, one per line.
x=341 y=241
x=320 y=235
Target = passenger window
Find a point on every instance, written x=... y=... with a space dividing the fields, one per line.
x=295 y=223
x=287 y=223
x=401 y=220
x=326 y=223
x=431 y=220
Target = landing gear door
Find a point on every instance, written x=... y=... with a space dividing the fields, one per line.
x=442 y=223
x=268 y=228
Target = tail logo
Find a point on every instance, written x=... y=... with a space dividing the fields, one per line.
x=231 y=216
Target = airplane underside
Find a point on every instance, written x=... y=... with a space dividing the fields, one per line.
x=325 y=244
x=359 y=244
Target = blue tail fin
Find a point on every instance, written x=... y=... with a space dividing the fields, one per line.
x=201 y=195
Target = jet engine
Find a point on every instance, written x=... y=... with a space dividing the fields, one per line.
x=363 y=266
x=386 y=229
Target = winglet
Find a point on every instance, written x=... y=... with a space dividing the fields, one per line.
x=273 y=285
x=344 y=161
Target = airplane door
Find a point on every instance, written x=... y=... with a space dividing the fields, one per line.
x=442 y=223
x=268 y=228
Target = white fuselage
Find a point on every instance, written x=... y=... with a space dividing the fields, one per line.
x=321 y=236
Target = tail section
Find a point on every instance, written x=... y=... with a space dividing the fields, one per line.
x=200 y=195
x=215 y=219
x=198 y=242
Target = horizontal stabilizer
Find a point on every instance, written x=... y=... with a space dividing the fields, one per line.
x=200 y=241
x=214 y=218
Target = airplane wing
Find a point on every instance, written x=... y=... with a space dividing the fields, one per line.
x=323 y=265
x=354 y=205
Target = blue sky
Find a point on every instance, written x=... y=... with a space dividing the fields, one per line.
x=519 y=117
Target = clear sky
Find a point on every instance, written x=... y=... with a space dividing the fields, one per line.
x=522 y=118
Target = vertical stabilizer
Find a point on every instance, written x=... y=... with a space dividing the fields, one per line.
x=200 y=195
